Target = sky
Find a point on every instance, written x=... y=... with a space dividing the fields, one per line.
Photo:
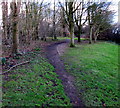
x=113 y=7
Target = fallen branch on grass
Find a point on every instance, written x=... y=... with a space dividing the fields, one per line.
x=14 y=67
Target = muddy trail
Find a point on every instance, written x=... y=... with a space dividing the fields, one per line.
x=53 y=53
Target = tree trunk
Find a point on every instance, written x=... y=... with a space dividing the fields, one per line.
x=95 y=39
x=91 y=33
x=72 y=44
x=90 y=27
x=54 y=34
x=36 y=33
x=27 y=24
x=79 y=36
x=96 y=35
x=71 y=24
x=79 y=40
x=14 y=27
x=5 y=21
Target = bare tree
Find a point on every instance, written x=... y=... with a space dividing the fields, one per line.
x=98 y=19
x=69 y=11
x=80 y=18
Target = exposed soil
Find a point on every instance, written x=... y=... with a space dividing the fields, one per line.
x=53 y=53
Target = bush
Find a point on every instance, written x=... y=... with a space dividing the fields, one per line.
x=110 y=35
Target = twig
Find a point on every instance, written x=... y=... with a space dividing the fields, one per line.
x=14 y=67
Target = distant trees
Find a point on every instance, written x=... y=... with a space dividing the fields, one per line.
x=30 y=21
x=22 y=24
x=111 y=34
x=27 y=22
x=46 y=24
x=96 y=15
x=80 y=17
x=116 y=32
x=63 y=22
x=69 y=10
x=99 y=19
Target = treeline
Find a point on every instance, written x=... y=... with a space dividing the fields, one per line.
x=24 y=22
x=27 y=21
x=112 y=34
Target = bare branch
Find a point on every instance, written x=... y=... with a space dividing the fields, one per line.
x=14 y=67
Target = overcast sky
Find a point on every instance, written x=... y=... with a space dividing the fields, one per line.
x=114 y=6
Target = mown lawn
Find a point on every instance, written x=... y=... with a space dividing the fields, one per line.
x=35 y=84
x=63 y=38
x=95 y=68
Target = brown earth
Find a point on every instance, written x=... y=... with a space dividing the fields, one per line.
x=53 y=55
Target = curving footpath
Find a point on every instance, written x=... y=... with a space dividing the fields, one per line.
x=53 y=56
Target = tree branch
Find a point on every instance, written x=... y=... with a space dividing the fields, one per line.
x=14 y=67
x=77 y=7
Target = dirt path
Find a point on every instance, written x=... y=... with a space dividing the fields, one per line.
x=53 y=53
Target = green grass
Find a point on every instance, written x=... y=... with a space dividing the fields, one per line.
x=63 y=38
x=49 y=39
x=35 y=84
x=95 y=68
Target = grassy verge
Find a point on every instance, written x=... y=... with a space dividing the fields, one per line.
x=95 y=68
x=49 y=39
x=63 y=38
x=35 y=84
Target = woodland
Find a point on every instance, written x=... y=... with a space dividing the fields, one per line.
x=59 y=53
